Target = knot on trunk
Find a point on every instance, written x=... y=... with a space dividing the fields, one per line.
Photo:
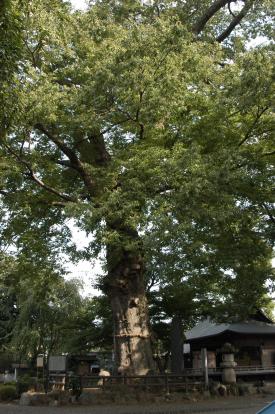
x=134 y=303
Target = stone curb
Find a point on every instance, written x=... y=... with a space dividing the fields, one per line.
x=189 y=411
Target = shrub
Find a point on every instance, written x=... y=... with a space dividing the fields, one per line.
x=75 y=386
x=7 y=392
x=10 y=383
x=25 y=383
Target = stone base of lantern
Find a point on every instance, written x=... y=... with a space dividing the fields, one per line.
x=228 y=375
x=228 y=367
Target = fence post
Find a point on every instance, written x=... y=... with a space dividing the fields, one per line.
x=166 y=385
x=46 y=382
x=145 y=383
x=80 y=382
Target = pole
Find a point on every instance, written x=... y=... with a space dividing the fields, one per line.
x=204 y=362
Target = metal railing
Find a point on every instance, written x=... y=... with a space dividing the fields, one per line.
x=255 y=368
x=197 y=372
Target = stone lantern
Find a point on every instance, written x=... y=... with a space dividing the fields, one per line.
x=228 y=365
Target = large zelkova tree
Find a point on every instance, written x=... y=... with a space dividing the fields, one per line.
x=135 y=117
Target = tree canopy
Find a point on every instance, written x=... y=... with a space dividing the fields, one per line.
x=150 y=125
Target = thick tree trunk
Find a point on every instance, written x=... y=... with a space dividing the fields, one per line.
x=126 y=291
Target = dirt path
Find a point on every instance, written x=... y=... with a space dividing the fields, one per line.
x=241 y=405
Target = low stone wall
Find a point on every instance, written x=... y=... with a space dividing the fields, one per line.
x=126 y=395
x=39 y=398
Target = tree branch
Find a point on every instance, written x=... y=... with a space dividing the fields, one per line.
x=34 y=52
x=268 y=212
x=102 y=156
x=105 y=131
x=58 y=204
x=60 y=144
x=64 y=163
x=52 y=190
x=74 y=160
x=141 y=125
x=235 y=21
x=268 y=153
x=210 y=12
x=258 y=116
x=30 y=174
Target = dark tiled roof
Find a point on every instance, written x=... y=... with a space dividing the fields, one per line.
x=208 y=328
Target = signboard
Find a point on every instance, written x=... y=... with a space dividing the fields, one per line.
x=270 y=409
x=19 y=366
x=186 y=348
x=40 y=362
x=57 y=363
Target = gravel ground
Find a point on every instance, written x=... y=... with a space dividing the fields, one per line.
x=241 y=405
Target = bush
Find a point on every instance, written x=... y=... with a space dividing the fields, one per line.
x=75 y=386
x=7 y=392
x=10 y=383
x=25 y=383
x=243 y=389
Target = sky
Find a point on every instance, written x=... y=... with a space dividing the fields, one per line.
x=84 y=271
x=79 y=4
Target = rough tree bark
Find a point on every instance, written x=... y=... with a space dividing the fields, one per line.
x=125 y=289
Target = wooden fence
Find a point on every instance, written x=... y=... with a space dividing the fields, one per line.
x=191 y=379
x=149 y=383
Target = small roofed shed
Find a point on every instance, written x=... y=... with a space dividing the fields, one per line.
x=84 y=364
x=253 y=339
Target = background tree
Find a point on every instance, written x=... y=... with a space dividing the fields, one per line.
x=41 y=313
x=8 y=312
x=91 y=327
x=132 y=114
